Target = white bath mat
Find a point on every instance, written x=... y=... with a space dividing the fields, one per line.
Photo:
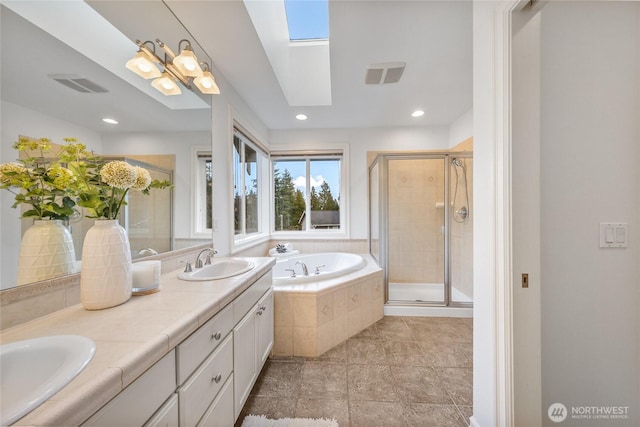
x=262 y=421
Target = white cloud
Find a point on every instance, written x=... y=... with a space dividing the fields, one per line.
x=300 y=182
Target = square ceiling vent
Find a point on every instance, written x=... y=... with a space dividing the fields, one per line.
x=384 y=72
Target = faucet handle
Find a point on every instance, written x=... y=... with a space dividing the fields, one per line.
x=293 y=272
x=318 y=268
x=187 y=268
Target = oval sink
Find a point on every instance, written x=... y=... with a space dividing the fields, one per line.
x=33 y=370
x=220 y=269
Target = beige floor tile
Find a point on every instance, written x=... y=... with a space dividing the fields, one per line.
x=401 y=371
x=337 y=409
x=371 y=382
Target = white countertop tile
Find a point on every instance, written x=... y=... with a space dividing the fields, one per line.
x=129 y=339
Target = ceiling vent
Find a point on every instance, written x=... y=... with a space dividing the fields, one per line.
x=78 y=83
x=385 y=72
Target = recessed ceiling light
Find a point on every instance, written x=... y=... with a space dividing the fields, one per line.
x=110 y=121
x=301 y=117
x=417 y=113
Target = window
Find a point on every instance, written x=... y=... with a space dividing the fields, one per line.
x=307 y=20
x=247 y=184
x=306 y=192
x=203 y=195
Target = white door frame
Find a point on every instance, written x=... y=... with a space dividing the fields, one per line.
x=493 y=321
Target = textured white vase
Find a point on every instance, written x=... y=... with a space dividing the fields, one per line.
x=106 y=275
x=46 y=251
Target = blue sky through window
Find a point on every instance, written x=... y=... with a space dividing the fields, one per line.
x=307 y=19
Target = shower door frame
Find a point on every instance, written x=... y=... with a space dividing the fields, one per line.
x=382 y=160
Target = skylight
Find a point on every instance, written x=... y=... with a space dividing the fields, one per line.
x=307 y=19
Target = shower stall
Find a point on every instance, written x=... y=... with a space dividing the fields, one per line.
x=421 y=231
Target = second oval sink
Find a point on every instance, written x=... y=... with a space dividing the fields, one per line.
x=35 y=369
x=220 y=269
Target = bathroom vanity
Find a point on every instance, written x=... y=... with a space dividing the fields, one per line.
x=188 y=355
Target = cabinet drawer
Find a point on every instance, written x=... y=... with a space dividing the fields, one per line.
x=167 y=415
x=199 y=391
x=220 y=413
x=192 y=351
x=250 y=297
x=138 y=402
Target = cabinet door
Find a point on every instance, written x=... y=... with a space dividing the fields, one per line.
x=141 y=399
x=264 y=330
x=245 y=369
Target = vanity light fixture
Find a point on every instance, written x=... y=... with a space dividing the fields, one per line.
x=301 y=117
x=206 y=82
x=173 y=68
x=417 y=113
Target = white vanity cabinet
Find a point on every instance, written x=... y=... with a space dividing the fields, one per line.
x=141 y=399
x=207 y=378
x=252 y=338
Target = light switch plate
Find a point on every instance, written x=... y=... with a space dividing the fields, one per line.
x=614 y=235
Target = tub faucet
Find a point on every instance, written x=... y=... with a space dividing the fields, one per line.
x=210 y=252
x=305 y=270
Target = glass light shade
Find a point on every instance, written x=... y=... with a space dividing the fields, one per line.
x=166 y=85
x=143 y=66
x=187 y=64
x=207 y=84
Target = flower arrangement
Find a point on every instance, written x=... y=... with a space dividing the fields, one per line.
x=40 y=179
x=105 y=186
x=54 y=181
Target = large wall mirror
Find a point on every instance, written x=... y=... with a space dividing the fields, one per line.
x=60 y=77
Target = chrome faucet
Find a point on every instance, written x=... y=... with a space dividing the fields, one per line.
x=305 y=271
x=210 y=252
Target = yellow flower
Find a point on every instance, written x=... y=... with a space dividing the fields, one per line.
x=11 y=174
x=27 y=144
x=63 y=178
x=143 y=179
x=118 y=174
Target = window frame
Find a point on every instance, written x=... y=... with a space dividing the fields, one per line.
x=340 y=153
x=198 y=182
x=242 y=239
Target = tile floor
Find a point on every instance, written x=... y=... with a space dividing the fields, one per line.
x=401 y=371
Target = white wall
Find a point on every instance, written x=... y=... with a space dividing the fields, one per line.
x=360 y=141
x=227 y=107
x=461 y=128
x=590 y=154
x=16 y=120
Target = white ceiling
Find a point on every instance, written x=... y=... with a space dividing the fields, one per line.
x=434 y=38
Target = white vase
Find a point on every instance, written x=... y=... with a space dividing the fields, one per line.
x=46 y=251
x=106 y=275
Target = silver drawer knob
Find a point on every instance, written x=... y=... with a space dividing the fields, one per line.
x=216 y=379
x=216 y=336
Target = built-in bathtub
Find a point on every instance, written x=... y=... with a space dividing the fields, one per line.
x=317 y=312
x=320 y=266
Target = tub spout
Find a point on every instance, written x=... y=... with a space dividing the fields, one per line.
x=305 y=270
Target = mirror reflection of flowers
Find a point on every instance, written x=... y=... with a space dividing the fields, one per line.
x=40 y=179
x=104 y=186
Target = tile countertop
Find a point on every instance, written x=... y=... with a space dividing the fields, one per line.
x=129 y=339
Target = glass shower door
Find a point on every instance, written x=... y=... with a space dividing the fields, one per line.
x=417 y=230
